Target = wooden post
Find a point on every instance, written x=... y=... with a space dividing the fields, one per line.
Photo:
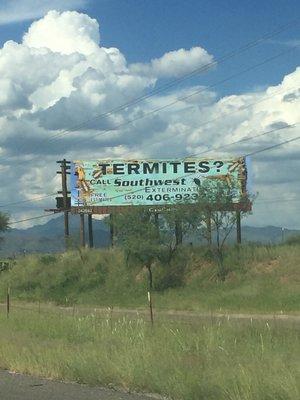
x=64 y=166
x=238 y=228
x=90 y=228
x=112 y=230
x=82 y=231
x=178 y=231
x=8 y=301
x=111 y=317
x=150 y=307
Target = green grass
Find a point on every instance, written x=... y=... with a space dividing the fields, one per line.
x=197 y=360
x=260 y=279
x=209 y=361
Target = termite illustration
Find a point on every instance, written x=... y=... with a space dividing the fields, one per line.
x=227 y=178
x=236 y=164
x=97 y=173
x=82 y=183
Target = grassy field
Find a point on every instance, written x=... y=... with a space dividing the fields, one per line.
x=209 y=361
x=194 y=360
x=260 y=279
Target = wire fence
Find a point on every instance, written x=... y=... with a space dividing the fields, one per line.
x=161 y=317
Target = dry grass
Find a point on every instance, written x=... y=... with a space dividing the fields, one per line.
x=224 y=361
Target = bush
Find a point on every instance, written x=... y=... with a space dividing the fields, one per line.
x=172 y=275
x=293 y=240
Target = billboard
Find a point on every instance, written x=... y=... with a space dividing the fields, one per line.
x=110 y=183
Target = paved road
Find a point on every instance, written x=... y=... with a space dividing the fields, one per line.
x=20 y=387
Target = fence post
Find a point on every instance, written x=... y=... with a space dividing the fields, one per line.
x=150 y=307
x=238 y=228
x=8 y=301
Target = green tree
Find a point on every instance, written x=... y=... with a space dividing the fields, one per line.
x=148 y=237
x=137 y=233
x=216 y=206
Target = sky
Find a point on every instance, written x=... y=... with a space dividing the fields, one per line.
x=65 y=62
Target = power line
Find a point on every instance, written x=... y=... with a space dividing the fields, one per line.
x=276 y=200
x=249 y=154
x=30 y=219
x=189 y=156
x=245 y=139
x=195 y=155
x=182 y=98
x=174 y=82
x=141 y=98
x=27 y=201
x=179 y=99
x=273 y=146
x=138 y=190
x=48 y=215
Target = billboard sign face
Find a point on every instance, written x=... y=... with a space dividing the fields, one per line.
x=111 y=183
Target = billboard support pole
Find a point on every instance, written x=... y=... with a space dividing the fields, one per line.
x=156 y=222
x=238 y=228
x=90 y=228
x=112 y=230
x=178 y=231
x=82 y=231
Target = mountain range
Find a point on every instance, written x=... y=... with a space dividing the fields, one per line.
x=49 y=238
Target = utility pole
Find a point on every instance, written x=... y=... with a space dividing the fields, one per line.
x=238 y=228
x=90 y=228
x=65 y=166
x=82 y=231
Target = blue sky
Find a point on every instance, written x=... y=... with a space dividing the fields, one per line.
x=145 y=29
x=60 y=76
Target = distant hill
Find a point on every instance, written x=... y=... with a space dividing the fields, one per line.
x=49 y=238
x=268 y=234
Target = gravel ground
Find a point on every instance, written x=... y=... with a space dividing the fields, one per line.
x=20 y=387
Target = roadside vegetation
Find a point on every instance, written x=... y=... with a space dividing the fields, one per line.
x=209 y=361
x=258 y=279
x=183 y=359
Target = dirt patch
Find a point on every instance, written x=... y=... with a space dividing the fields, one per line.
x=266 y=267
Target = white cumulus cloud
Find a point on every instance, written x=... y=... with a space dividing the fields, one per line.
x=175 y=63
x=61 y=75
x=65 y=33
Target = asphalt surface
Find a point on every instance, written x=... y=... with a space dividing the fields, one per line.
x=20 y=387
